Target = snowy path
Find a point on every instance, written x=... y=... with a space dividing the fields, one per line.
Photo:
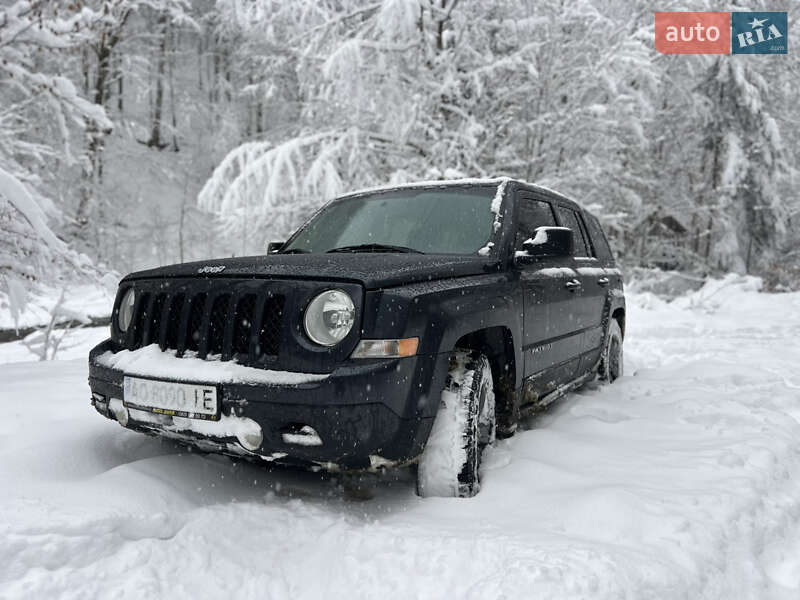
x=682 y=481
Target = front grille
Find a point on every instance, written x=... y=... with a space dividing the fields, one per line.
x=219 y=318
x=151 y=334
x=194 y=327
x=242 y=325
x=269 y=331
x=140 y=318
x=171 y=328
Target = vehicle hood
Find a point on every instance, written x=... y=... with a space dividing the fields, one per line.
x=372 y=270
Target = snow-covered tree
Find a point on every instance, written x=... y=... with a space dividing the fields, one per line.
x=744 y=159
x=40 y=109
x=264 y=109
x=404 y=89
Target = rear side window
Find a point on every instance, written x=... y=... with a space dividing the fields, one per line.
x=532 y=214
x=569 y=218
x=599 y=240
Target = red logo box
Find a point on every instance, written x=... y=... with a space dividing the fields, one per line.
x=693 y=32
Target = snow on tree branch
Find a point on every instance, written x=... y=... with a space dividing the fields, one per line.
x=14 y=192
x=276 y=183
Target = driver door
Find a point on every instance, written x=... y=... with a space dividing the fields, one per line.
x=550 y=324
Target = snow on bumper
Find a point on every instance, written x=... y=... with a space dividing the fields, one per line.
x=151 y=361
x=358 y=417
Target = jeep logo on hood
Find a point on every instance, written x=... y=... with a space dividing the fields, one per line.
x=211 y=269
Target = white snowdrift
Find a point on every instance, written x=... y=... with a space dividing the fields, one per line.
x=75 y=345
x=679 y=481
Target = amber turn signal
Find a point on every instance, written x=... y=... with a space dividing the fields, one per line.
x=386 y=348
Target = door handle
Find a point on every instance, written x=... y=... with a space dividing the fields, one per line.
x=572 y=285
x=603 y=281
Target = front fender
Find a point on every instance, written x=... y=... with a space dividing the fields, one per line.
x=441 y=312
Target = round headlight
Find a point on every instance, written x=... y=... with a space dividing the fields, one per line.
x=126 y=310
x=329 y=317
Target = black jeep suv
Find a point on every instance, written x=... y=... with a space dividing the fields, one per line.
x=403 y=325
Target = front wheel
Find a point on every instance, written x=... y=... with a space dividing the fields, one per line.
x=464 y=425
x=611 y=361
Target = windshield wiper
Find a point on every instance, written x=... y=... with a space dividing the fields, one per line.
x=376 y=248
x=293 y=251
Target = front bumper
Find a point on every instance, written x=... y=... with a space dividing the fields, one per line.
x=367 y=415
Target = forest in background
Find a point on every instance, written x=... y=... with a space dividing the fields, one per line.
x=135 y=133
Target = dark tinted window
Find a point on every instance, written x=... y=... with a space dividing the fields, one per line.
x=532 y=214
x=599 y=240
x=590 y=249
x=569 y=218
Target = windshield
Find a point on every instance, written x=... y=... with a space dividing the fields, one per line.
x=432 y=221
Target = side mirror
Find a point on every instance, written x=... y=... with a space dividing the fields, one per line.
x=273 y=247
x=548 y=241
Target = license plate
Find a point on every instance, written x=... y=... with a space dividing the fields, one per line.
x=193 y=401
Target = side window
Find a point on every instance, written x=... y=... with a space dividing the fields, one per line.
x=532 y=214
x=569 y=218
x=599 y=240
x=590 y=248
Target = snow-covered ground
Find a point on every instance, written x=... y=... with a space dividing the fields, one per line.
x=75 y=345
x=81 y=301
x=682 y=480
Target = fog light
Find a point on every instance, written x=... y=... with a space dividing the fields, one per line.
x=119 y=411
x=99 y=402
x=251 y=440
x=304 y=435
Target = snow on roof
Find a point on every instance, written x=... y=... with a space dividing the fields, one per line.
x=431 y=183
x=455 y=182
x=497 y=202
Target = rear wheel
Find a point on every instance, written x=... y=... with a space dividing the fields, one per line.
x=611 y=361
x=464 y=426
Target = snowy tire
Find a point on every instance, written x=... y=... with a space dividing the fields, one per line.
x=464 y=425
x=611 y=361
